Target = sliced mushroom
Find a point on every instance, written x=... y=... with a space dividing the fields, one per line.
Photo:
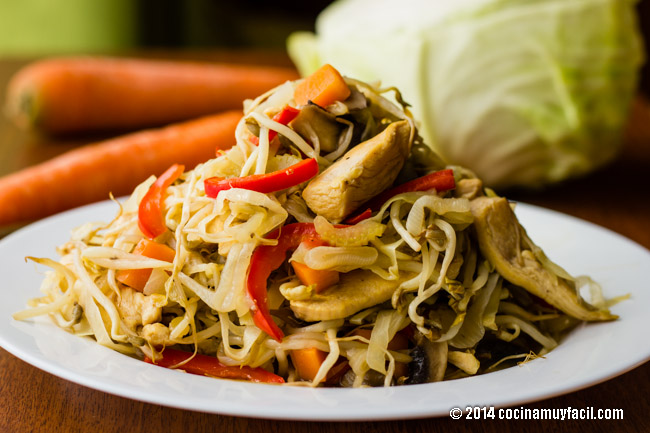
x=429 y=361
x=500 y=240
x=363 y=172
x=356 y=290
x=315 y=123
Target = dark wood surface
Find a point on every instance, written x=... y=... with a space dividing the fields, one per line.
x=615 y=197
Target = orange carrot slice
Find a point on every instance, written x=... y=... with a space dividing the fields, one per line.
x=323 y=87
x=321 y=279
x=307 y=362
x=137 y=278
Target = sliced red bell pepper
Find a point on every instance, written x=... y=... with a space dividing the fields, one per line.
x=266 y=259
x=284 y=117
x=150 y=218
x=204 y=365
x=442 y=180
x=265 y=183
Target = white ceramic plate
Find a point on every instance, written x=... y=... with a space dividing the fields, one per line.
x=591 y=354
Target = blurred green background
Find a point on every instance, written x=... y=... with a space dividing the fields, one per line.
x=44 y=27
x=37 y=27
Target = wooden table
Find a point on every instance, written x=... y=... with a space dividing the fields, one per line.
x=615 y=197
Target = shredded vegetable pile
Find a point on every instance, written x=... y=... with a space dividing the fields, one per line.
x=328 y=247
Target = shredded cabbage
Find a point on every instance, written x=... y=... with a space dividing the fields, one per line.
x=414 y=270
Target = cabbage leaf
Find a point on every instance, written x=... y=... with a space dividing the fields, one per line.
x=522 y=92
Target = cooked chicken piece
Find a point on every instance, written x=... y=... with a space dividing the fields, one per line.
x=355 y=291
x=138 y=309
x=468 y=188
x=500 y=240
x=429 y=360
x=156 y=334
x=363 y=172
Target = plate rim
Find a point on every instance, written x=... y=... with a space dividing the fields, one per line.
x=39 y=361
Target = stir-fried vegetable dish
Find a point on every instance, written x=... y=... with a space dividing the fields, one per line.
x=329 y=247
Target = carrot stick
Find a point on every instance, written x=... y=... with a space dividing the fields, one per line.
x=307 y=362
x=323 y=87
x=321 y=279
x=137 y=278
x=74 y=94
x=87 y=174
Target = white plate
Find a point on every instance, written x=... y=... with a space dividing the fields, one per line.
x=591 y=354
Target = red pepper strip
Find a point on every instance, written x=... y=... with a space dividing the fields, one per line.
x=150 y=218
x=265 y=183
x=442 y=180
x=204 y=365
x=359 y=217
x=284 y=117
x=266 y=259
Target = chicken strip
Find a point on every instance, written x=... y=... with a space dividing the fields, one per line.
x=355 y=291
x=500 y=240
x=363 y=172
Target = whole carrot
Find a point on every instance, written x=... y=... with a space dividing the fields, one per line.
x=75 y=94
x=87 y=174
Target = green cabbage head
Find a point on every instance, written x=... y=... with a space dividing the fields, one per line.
x=523 y=92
